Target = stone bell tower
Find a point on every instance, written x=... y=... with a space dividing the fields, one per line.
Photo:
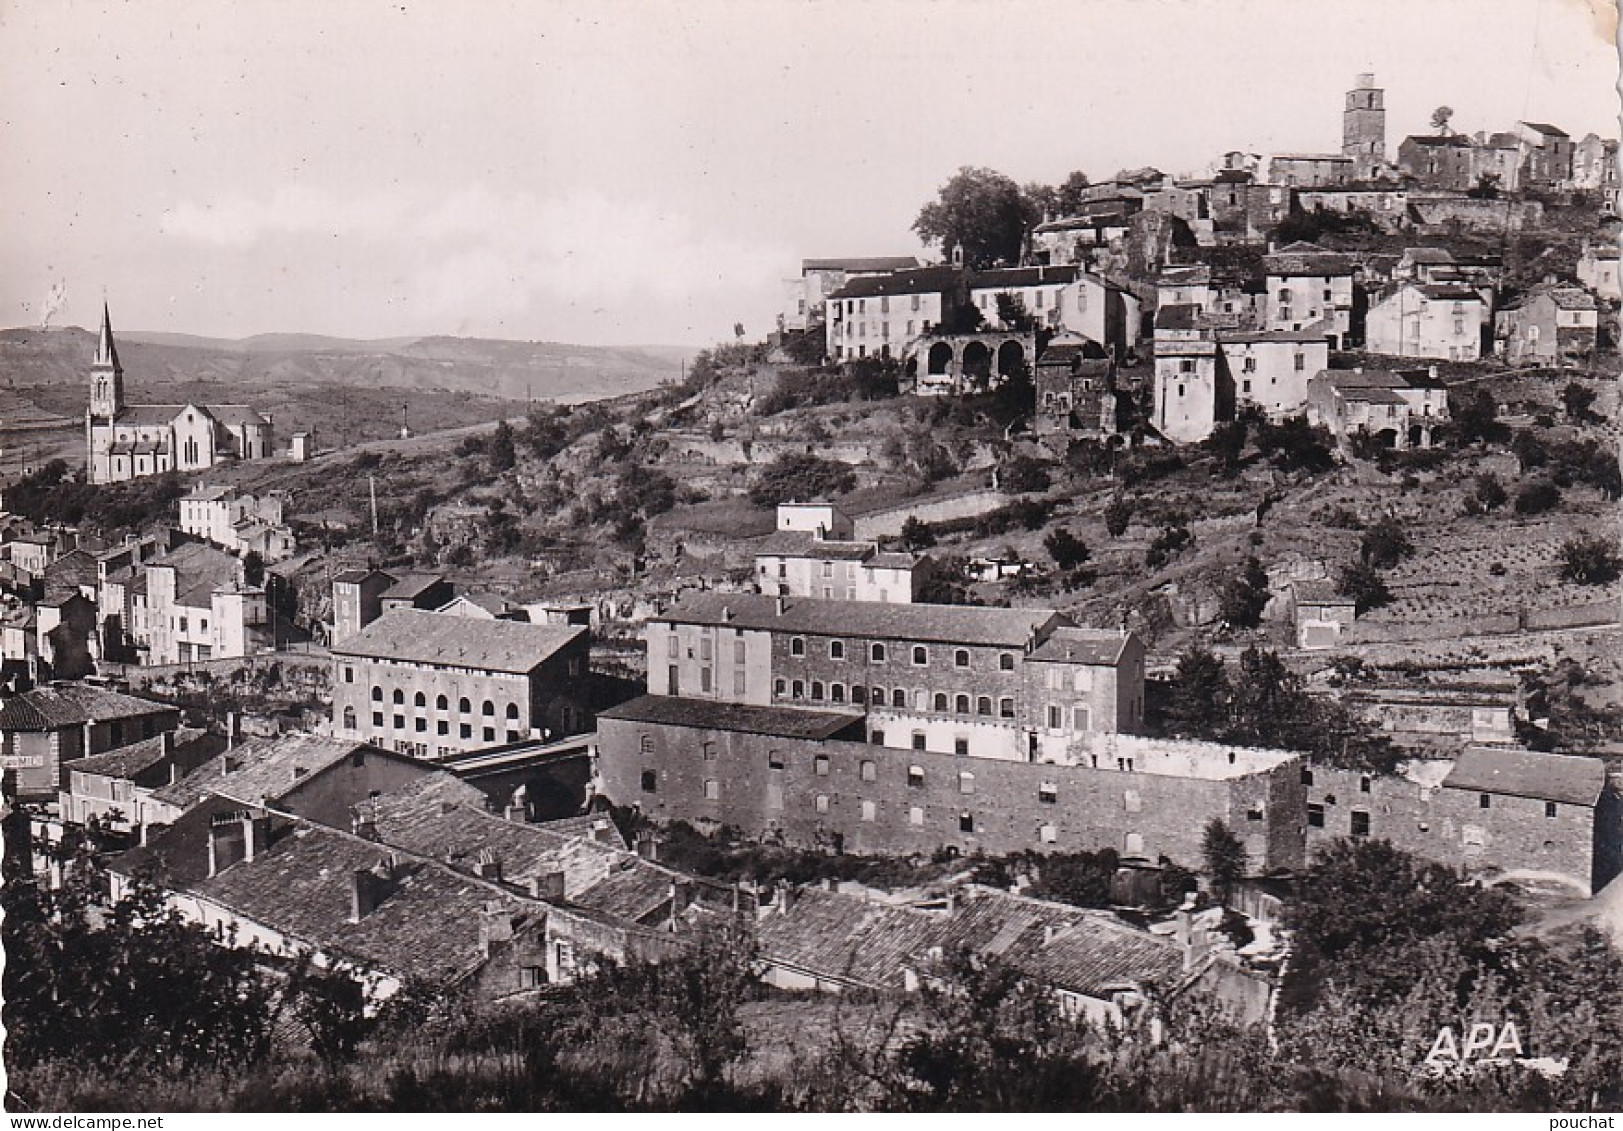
x=106 y=374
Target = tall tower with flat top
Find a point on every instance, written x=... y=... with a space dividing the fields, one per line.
x=1363 y=127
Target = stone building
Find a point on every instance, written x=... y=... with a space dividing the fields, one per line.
x=1076 y=391
x=1363 y=128
x=1311 y=288
x=430 y=685
x=1550 y=325
x=124 y=441
x=1192 y=392
x=1399 y=409
x=1270 y=369
x=1443 y=321
x=808 y=777
x=879 y=315
x=237 y=522
x=796 y=564
x=1494 y=809
x=55 y=723
x=806 y=295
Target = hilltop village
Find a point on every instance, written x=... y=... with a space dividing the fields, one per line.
x=1190 y=600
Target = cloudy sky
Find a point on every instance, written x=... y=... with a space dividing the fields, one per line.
x=638 y=171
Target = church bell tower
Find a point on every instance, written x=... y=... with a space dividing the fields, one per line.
x=106 y=374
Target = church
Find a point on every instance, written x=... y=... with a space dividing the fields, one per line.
x=126 y=441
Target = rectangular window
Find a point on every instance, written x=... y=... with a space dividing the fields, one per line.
x=712 y=789
x=1132 y=802
x=966 y=822
x=868 y=771
x=1056 y=717
x=1315 y=816
x=870 y=811
x=650 y=781
x=960 y=747
x=1549 y=809
x=915 y=816
x=820 y=803
x=704 y=680
x=820 y=765
x=1360 y=823
x=1048 y=793
x=672 y=646
x=738 y=682
x=740 y=653
x=1484 y=802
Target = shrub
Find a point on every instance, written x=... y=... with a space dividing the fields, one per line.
x=1171 y=541
x=1590 y=560
x=1385 y=544
x=1537 y=497
x=1118 y=513
x=1067 y=550
x=1364 y=584
x=800 y=476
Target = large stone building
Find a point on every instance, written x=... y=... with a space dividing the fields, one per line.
x=1550 y=325
x=124 y=441
x=877 y=316
x=793 y=563
x=1363 y=128
x=55 y=723
x=1311 y=288
x=1397 y=409
x=431 y=685
x=1443 y=321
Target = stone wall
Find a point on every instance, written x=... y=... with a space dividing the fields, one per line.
x=888 y=523
x=869 y=799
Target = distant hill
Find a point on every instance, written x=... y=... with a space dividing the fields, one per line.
x=52 y=366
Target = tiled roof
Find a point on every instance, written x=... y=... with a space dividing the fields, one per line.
x=1546 y=129
x=232 y=415
x=893 y=560
x=1447 y=292
x=1005 y=277
x=949 y=624
x=595 y=827
x=415 y=636
x=1526 y=773
x=1452 y=141
x=707 y=714
x=1427 y=255
x=924 y=280
x=1081 y=646
x=1303 y=258
x=412 y=586
x=803 y=544
x=1177 y=316
x=202 y=494
x=72 y=570
x=127 y=761
x=1061 y=946
x=1194 y=347
x=53 y=706
x=843 y=937
x=858 y=264
x=148 y=415
x=1258 y=337
x=1184 y=276
x=263 y=769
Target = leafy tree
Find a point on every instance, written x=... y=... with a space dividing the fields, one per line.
x=1198 y=706
x=1224 y=856
x=1440 y=118
x=1590 y=560
x=1068 y=197
x=1227 y=443
x=1118 y=514
x=1476 y=417
x=1012 y=313
x=1385 y=543
x=1079 y=878
x=1067 y=550
x=948 y=583
x=800 y=476
x=501 y=451
x=1537 y=497
x=1295 y=445
x=1490 y=493
x=1245 y=595
x=1173 y=539
x=1578 y=400
x=131 y=986
x=1486 y=187
x=1269 y=706
x=253 y=569
x=1022 y=475
x=978 y=212
x=1364 y=584
x=916 y=533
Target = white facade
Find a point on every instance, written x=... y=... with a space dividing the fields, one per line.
x=1271 y=371
x=1434 y=322
x=824 y=520
x=1186 y=390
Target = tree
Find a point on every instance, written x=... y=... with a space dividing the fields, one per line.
x=1118 y=514
x=1173 y=539
x=1067 y=550
x=253 y=569
x=1022 y=474
x=1440 y=118
x=1225 y=858
x=1486 y=187
x=948 y=583
x=1364 y=584
x=1578 y=400
x=1270 y=707
x=1590 y=560
x=1296 y=445
x=916 y=533
x=1068 y=197
x=1227 y=442
x=800 y=476
x=1199 y=704
x=1490 y=493
x=500 y=451
x=1385 y=544
x=1475 y=416
x=1537 y=497
x=978 y=212
x=1012 y=313
x=1245 y=595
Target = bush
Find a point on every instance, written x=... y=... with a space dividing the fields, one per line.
x=1171 y=541
x=1245 y=595
x=1023 y=475
x=1385 y=544
x=800 y=477
x=1364 y=584
x=1537 y=497
x=1590 y=560
x=1067 y=550
x=1118 y=513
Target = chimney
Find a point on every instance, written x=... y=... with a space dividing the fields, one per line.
x=547 y=885
x=363 y=822
x=603 y=832
x=681 y=896
x=726 y=614
x=233 y=731
x=647 y=845
x=783 y=604
x=488 y=866
x=230 y=765
x=516 y=813
x=255 y=834
x=495 y=929
x=168 y=743
x=787 y=895
x=368 y=888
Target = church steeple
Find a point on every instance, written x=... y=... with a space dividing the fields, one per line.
x=106 y=374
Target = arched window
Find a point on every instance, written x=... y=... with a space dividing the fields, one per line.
x=349 y=718
x=488 y=710
x=941 y=700
x=441 y=703
x=961 y=704
x=877 y=653
x=817 y=689
x=377 y=694
x=399 y=697
x=960 y=658
x=463 y=706
x=983 y=706
x=797 y=647
x=512 y=712
x=419 y=700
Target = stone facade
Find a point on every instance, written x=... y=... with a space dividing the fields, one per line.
x=876 y=799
